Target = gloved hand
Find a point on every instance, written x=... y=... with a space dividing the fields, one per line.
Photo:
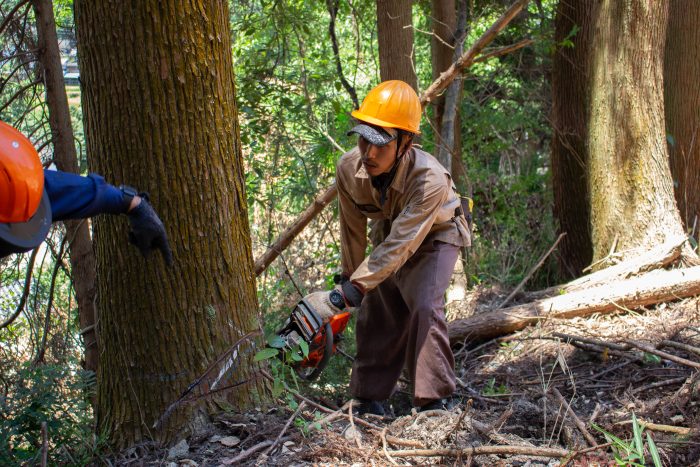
x=321 y=303
x=147 y=230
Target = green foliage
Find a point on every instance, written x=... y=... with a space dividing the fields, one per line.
x=490 y=388
x=58 y=396
x=632 y=452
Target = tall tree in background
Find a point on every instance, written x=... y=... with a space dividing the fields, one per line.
x=448 y=30
x=82 y=257
x=395 y=37
x=632 y=201
x=160 y=114
x=570 y=111
x=682 y=106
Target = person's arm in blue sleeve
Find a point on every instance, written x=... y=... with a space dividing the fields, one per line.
x=75 y=197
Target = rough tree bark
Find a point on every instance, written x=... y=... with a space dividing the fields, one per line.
x=570 y=96
x=631 y=190
x=682 y=106
x=160 y=114
x=395 y=37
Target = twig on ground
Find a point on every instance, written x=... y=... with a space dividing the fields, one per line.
x=383 y=435
x=284 y=429
x=250 y=451
x=680 y=430
x=584 y=451
x=355 y=434
x=679 y=345
x=658 y=384
x=484 y=450
x=662 y=354
x=577 y=421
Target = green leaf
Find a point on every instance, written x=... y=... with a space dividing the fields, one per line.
x=265 y=354
x=275 y=341
x=304 y=347
x=651 y=359
x=654 y=451
x=637 y=432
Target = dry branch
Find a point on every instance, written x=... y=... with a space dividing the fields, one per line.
x=433 y=90
x=483 y=450
x=649 y=349
x=577 y=421
x=648 y=289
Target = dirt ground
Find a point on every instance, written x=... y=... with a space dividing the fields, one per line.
x=511 y=407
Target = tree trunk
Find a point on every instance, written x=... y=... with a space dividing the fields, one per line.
x=631 y=190
x=160 y=114
x=395 y=37
x=682 y=99
x=570 y=98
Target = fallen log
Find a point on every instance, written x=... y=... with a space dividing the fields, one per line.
x=656 y=258
x=648 y=289
x=433 y=90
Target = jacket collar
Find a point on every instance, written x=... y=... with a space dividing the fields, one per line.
x=399 y=182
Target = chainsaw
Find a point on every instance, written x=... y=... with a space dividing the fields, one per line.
x=321 y=336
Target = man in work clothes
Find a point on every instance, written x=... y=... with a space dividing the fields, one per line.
x=417 y=228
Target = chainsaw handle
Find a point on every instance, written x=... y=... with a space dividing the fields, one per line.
x=326 y=354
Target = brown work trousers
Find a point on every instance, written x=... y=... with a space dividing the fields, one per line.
x=402 y=322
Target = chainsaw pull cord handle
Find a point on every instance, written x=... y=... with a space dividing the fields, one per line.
x=326 y=354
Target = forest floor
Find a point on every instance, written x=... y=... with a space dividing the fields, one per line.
x=513 y=392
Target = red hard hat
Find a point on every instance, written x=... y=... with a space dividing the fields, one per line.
x=25 y=213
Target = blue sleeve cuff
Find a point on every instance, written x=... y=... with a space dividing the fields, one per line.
x=76 y=197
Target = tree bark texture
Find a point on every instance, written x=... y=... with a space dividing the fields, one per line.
x=160 y=114
x=395 y=37
x=632 y=201
x=570 y=100
x=82 y=257
x=648 y=289
x=682 y=106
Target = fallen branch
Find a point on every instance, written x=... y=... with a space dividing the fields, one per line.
x=249 y=452
x=649 y=289
x=679 y=430
x=533 y=451
x=284 y=429
x=649 y=349
x=658 y=384
x=678 y=345
x=393 y=462
x=577 y=421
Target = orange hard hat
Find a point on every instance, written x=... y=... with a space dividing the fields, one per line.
x=21 y=176
x=391 y=104
x=25 y=208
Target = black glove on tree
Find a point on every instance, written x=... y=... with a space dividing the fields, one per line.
x=147 y=230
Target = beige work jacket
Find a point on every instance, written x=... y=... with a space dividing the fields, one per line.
x=420 y=201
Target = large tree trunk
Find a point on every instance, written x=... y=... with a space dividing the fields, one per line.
x=160 y=114
x=632 y=201
x=82 y=257
x=570 y=97
x=395 y=37
x=682 y=99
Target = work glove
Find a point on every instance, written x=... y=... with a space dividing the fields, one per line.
x=147 y=230
x=322 y=305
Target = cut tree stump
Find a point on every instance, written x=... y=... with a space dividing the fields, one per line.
x=648 y=289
